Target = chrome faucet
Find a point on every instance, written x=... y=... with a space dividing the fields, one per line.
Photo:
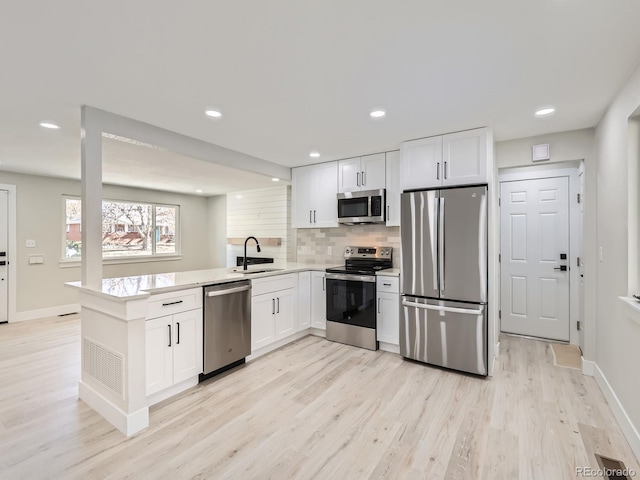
x=244 y=261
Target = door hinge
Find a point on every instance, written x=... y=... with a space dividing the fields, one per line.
x=499 y=201
x=579 y=198
x=499 y=313
x=578 y=262
x=499 y=258
x=579 y=325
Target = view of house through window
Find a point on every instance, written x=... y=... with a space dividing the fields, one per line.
x=128 y=229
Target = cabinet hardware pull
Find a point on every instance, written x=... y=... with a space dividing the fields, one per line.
x=386 y=284
x=364 y=179
x=314 y=216
x=388 y=213
x=445 y=170
x=273 y=306
x=438 y=171
x=178 y=342
x=172 y=303
x=310 y=221
x=378 y=304
x=323 y=285
x=169 y=335
x=358 y=178
x=278 y=303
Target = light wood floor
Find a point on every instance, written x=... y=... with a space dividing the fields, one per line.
x=313 y=409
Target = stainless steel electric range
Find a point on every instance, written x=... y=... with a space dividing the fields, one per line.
x=351 y=296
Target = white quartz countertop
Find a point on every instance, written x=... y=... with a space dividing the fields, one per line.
x=140 y=286
x=389 y=272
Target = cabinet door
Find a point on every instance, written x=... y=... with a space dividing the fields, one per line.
x=187 y=345
x=393 y=188
x=388 y=329
x=324 y=195
x=159 y=355
x=349 y=175
x=318 y=301
x=373 y=172
x=263 y=312
x=301 y=211
x=304 y=300
x=464 y=156
x=421 y=164
x=286 y=320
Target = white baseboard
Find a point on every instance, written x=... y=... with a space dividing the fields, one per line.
x=389 y=347
x=588 y=367
x=45 y=312
x=172 y=390
x=629 y=430
x=127 y=423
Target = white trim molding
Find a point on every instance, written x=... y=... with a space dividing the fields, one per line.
x=12 y=252
x=626 y=425
x=588 y=367
x=46 y=312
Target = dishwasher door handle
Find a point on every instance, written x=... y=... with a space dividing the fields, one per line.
x=228 y=291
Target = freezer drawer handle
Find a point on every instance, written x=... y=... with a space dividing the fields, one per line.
x=227 y=291
x=407 y=303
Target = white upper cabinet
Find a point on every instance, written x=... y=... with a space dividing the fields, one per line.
x=464 y=156
x=361 y=173
x=314 y=196
x=453 y=159
x=393 y=188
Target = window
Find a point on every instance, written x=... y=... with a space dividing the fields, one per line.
x=129 y=229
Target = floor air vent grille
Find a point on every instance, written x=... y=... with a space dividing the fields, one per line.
x=612 y=468
x=105 y=366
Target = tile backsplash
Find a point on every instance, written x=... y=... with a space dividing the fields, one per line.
x=313 y=243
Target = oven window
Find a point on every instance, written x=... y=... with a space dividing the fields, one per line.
x=351 y=302
x=353 y=207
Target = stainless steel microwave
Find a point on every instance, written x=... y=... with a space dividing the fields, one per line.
x=367 y=206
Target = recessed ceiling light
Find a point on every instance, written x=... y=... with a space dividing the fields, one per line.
x=377 y=114
x=274 y=179
x=545 y=111
x=314 y=154
x=198 y=190
x=213 y=113
x=238 y=196
x=49 y=125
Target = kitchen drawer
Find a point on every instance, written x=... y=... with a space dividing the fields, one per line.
x=388 y=284
x=274 y=283
x=174 y=302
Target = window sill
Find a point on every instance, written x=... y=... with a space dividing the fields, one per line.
x=119 y=261
x=633 y=306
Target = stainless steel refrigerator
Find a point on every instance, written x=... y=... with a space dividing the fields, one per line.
x=444 y=278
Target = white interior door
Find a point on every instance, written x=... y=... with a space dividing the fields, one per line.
x=534 y=235
x=4 y=255
x=581 y=266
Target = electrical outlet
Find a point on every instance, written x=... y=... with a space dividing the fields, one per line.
x=31 y=243
x=328 y=250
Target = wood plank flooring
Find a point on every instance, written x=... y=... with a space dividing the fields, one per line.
x=313 y=409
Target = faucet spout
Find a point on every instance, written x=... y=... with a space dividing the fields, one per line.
x=244 y=261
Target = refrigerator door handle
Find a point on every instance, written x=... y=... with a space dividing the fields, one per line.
x=440 y=308
x=441 y=246
x=433 y=227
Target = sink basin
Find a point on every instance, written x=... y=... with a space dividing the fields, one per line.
x=251 y=272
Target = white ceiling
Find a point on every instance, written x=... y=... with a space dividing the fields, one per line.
x=291 y=76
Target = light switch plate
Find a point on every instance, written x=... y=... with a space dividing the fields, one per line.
x=31 y=243
x=36 y=259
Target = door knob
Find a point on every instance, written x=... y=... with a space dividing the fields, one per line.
x=562 y=268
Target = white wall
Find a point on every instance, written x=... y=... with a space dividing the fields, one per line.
x=618 y=335
x=260 y=213
x=567 y=147
x=40 y=216
x=217 y=210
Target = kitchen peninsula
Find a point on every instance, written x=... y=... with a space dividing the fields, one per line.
x=118 y=362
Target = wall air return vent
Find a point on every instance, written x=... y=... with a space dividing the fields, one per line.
x=104 y=365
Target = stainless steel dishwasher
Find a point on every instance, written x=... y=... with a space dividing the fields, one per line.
x=227 y=326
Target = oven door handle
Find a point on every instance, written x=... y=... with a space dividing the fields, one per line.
x=351 y=278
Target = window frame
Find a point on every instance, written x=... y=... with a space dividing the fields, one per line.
x=153 y=256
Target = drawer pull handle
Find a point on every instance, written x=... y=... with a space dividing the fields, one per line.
x=169 y=335
x=172 y=303
x=386 y=284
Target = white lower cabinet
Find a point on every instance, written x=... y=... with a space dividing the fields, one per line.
x=304 y=300
x=388 y=308
x=318 y=301
x=173 y=349
x=273 y=313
